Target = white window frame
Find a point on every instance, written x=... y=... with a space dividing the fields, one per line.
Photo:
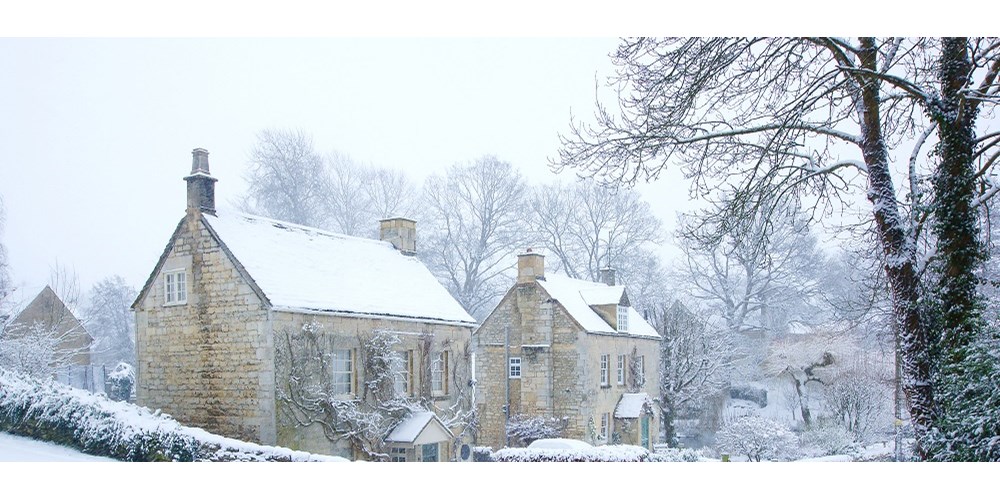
x=514 y=367
x=605 y=370
x=439 y=374
x=402 y=374
x=622 y=319
x=342 y=364
x=621 y=369
x=605 y=426
x=174 y=289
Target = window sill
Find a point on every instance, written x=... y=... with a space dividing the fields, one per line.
x=172 y=304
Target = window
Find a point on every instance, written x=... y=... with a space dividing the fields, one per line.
x=175 y=287
x=621 y=369
x=605 y=360
x=439 y=374
x=605 y=422
x=402 y=374
x=641 y=369
x=397 y=454
x=429 y=452
x=343 y=371
x=622 y=319
x=514 y=368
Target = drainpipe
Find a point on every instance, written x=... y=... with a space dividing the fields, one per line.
x=506 y=408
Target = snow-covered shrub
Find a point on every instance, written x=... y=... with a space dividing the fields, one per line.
x=50 y=411
x=667 y=454
x=756 y=437
x=611 y=453
x=121 y=381
x=482 y=454
x=523 y=429
x=828 y=440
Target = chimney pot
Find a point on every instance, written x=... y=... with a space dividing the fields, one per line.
x=200 y=184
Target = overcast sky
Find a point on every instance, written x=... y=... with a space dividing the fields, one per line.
x=97 y=133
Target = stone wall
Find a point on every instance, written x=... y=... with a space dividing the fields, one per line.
x=207 y=362
x=342 y=332
x=560 y=367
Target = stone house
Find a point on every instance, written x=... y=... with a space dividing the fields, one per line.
x=35 y=311
x=223 y=319
x=570 y=350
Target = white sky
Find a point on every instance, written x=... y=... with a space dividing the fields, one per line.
x=96 y=133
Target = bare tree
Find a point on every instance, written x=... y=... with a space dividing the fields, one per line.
x=757 y=121
x=286 y=179
x=110 y=321
x=694 y=364
x=761 y=284
x=476 y=222
x=6 y=286
x=347 y=204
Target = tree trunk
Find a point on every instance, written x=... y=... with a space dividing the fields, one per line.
x=670 y=432
x=900 y=254
x=958 y=247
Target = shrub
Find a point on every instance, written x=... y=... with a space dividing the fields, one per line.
x=612 y=453
x=121 y=381
x=50 y=411
x=757 y=437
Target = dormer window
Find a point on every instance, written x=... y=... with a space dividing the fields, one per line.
x=622 y=319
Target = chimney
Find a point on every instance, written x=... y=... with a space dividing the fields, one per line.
x=530 y=267
x=608 y=275
x=401 y=232
x=200 y=184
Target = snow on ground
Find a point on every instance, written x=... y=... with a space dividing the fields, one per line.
x=21 y=449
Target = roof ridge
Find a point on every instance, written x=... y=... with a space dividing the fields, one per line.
x=293 y=225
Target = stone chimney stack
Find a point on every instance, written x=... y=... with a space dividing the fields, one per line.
x=401 y=232
x=608 y=275
x=200 y=184
x=530 y=267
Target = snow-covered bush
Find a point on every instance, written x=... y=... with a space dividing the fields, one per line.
x=666 y=454
x=92 y=423
x=121 y=380
x=828 y=440
x=611 y=453
x=523 y=429
x=756 y=437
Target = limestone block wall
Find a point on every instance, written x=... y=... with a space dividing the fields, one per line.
x=422 y=339
x=560 y=367
x=207 y=362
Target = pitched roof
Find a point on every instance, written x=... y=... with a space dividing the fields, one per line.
x=631 y=405
x=411 y=427
x=577 y=297
x=300 y=268
x=15 y=303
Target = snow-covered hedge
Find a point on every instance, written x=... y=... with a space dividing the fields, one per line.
x=667 y=454
x=613 y=453
x=92 y=423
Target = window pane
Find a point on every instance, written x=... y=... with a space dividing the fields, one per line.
x=437 y=373
x=342 y=371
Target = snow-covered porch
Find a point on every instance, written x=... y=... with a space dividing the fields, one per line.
x=421 y=437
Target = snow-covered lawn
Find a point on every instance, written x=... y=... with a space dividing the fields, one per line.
x=21 y=449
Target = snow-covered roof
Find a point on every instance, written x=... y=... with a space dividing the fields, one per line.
x=631 y=404
x=603 y=295
x=14 y=304
x=411 y=427
x=577 y=297
x=301 y=268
